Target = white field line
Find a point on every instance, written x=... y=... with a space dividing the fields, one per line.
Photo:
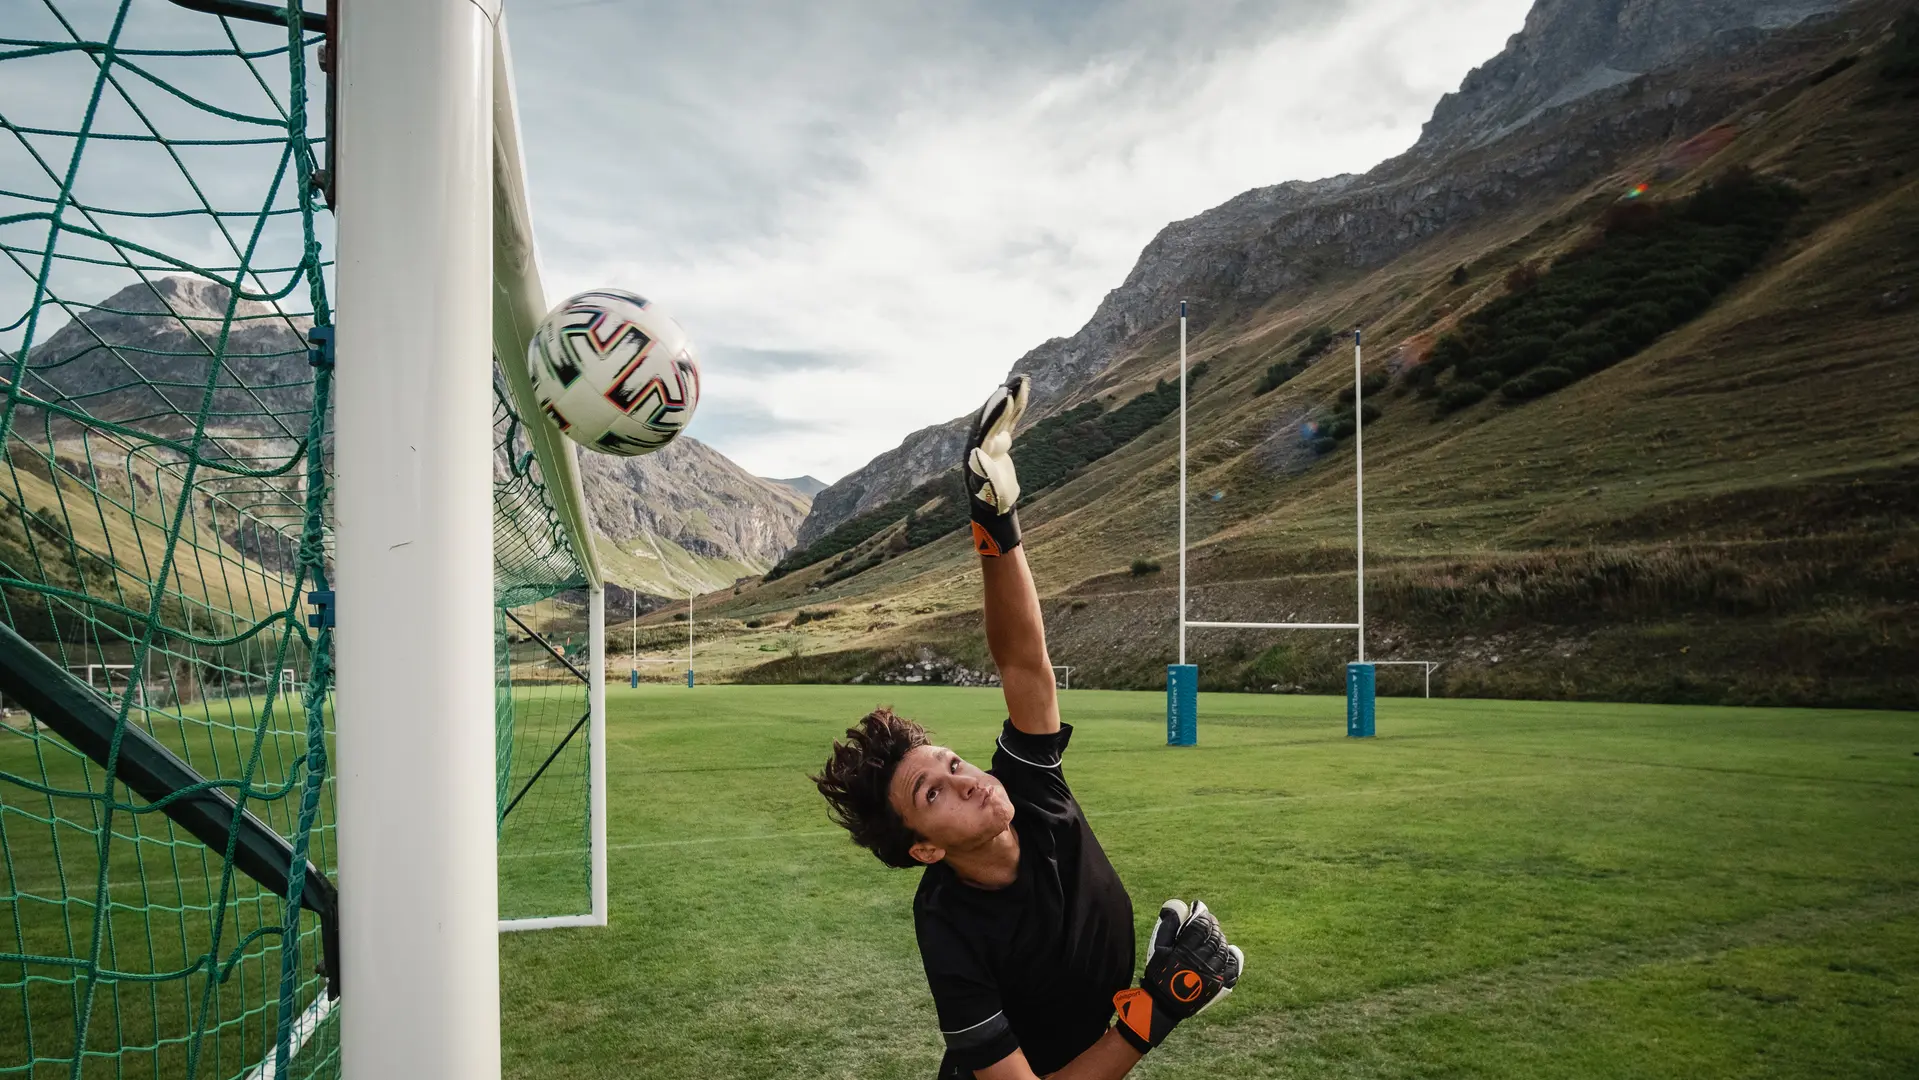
x=303 y=1028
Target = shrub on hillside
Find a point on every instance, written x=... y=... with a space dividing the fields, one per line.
x=1455 y=398
x=1522 y=278
x=1278 y=375
x=1535 y=383
x=1648 y=268
x=1902 y=56
x=1317 y=342
x=1142 y=567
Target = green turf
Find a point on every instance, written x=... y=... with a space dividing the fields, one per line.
x=1501 y=889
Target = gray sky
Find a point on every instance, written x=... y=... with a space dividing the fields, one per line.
x=865 y=210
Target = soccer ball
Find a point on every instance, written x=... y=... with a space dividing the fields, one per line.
x=614 y=372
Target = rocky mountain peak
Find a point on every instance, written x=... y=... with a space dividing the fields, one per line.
x=1571 y=48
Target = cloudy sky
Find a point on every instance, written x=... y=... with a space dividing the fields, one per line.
x=866 y=210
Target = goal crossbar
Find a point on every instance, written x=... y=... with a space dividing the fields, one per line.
x=1273 y=625
x=1359 y=501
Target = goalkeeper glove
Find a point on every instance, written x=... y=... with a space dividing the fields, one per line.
x=991 y=485
x=1188 y=969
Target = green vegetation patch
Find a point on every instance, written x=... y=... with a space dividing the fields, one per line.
x=1649 y=268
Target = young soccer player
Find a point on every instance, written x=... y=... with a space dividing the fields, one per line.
x=1024 y=929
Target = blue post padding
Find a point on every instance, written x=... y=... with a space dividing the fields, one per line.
x=633 y=678
x=1359 y=700
x=689 y=678
x=1182 y=704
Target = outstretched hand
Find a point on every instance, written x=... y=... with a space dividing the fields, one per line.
x=992 y=485
x=1190 y=966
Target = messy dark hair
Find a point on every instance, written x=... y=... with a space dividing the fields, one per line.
x=857 y=776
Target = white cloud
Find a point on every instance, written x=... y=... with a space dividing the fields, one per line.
x=910 y=211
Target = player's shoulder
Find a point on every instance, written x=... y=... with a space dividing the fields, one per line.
x=1029 y=766
x=1018 y=749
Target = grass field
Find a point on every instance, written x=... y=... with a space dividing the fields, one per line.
x=1500 y=889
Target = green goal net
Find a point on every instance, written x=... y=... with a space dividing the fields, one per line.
x=165 y=538
x=542 y=663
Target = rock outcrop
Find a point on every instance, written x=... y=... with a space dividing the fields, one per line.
x=696 y=497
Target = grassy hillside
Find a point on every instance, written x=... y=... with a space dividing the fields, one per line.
x=1729 y=513
x=656 y=566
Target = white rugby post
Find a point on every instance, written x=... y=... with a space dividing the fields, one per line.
x=1180 y=718
x=1359 y=490
x=414 y=510
x=1182 y=483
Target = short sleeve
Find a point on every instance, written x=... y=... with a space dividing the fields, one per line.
x=1029 y=766
x=972 y=1018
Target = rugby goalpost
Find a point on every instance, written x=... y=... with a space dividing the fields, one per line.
x=1182 y=679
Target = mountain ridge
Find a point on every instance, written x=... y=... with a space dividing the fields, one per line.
x=1286 y=235
x=1725 y=511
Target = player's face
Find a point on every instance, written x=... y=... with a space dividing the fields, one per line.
x=949 y=802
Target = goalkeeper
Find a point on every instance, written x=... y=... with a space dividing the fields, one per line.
x=1024 y=929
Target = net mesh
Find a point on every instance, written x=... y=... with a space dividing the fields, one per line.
x=541 y=690
x=164 y=516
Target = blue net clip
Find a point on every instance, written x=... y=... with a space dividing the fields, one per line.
x=323 y=618
x=321 y=354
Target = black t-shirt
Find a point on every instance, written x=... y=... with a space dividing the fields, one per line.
x=1033 y=966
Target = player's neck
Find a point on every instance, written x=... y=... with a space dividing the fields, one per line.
x=992 y=865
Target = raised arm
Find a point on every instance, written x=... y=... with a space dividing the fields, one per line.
x=1014 y=631
x=1017 y=637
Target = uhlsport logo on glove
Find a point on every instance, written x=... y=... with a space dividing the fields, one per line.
x=1187 y=984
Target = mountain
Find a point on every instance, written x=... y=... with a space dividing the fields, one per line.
x=683 y=518
x=169 y=329
x=1639 y=403
x=1514 y=128
x=686 y=517
x=807 y=486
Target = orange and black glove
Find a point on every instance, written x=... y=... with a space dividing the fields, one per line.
x=1190 y=967
x=992 y=488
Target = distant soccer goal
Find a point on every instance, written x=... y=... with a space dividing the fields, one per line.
x=1426 y=669
x=232 y=570
x=1063 y=676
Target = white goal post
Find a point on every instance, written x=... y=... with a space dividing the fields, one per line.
x=1359 y=501
x=436 y=274
x=519 y=303
x=1063 y=676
